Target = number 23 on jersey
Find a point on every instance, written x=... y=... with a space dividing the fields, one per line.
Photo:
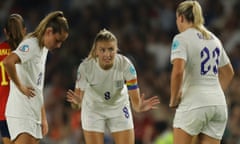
x=209 y=60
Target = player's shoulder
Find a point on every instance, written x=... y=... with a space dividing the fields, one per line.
x=187 y=33
x=28 y=43
x=122 y=59
x=4 y=45
x=179 y=37
x=214 y=37
x=122 y=62
x=186 y=36
x=87 y=61
x=87 y=64
x=5 y=50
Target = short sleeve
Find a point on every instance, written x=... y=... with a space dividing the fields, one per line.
x=81 y=78
x=224 y=58
x=179 y=48
x=129 y=71
x=27 y=49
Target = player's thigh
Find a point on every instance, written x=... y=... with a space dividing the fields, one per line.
x=93 y=137
x=123 y=120
x=25 y=138
x=205 y=139
x=92 y=121
x=181 y=137
x=6 y=140
x=195 y=139
x=191 y=122
x=124 y=137
x=19 y=126
x=120 y=124
x=187 y=124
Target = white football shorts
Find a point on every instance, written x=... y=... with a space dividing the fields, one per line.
x=209 y=120
x=17 y=126
x=112 y=120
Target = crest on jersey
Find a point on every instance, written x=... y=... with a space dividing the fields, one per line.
x=24 y=48
x=175 y=44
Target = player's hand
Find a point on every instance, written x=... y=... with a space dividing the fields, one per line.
x=175 y=101
x=173 y=106
x=73 y=97
x=28 y=91
x=150 y=103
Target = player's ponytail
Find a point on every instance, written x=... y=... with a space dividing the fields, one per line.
x=192 y=12
x=55 y=20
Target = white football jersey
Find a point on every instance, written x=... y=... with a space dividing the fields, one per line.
x=203 y=57
x=31 y=72
x=105 y=88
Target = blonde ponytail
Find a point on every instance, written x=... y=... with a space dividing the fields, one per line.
x=198 y=22
x=55 y=20
x=192 y=11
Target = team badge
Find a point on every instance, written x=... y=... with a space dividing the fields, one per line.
x=132 y=70
x=24 y=48
x=175 y=44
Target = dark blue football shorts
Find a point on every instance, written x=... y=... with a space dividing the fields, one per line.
x=4 y=129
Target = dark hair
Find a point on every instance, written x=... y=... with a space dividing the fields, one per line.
x=14 y=30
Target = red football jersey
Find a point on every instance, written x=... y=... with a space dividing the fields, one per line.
x=4 y=80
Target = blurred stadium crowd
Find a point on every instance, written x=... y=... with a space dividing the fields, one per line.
x=145 y=29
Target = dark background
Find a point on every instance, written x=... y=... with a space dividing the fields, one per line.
x=145 y=29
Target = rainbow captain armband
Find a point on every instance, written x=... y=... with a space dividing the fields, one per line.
x=132 y=84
